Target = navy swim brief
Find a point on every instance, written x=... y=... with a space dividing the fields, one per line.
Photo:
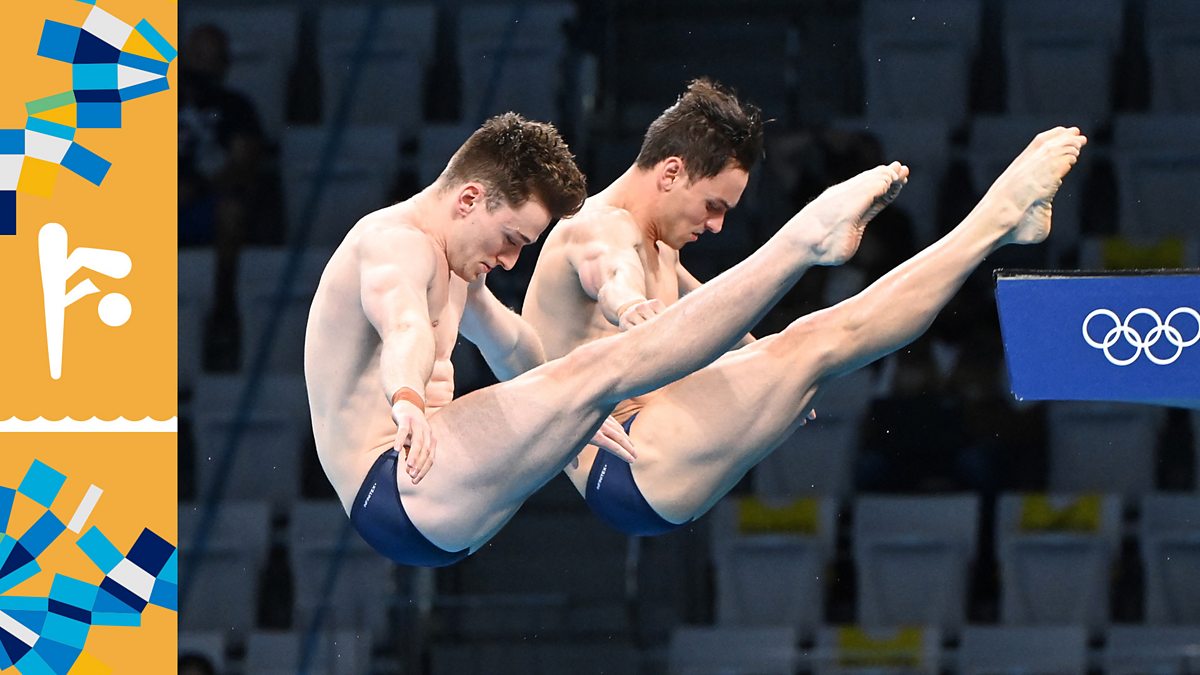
x=614 y=496
x=380 y=519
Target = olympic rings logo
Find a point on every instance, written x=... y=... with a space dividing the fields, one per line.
x=1162 y=330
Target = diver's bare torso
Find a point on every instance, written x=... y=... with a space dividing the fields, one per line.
x=556 y=304
x=351 y=415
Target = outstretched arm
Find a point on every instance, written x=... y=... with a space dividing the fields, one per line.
x=508 y=343
x=394 y=293
x=611 y=273
x=689 y=283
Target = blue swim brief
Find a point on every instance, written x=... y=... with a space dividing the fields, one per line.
x=614 y=496
x=379 y=518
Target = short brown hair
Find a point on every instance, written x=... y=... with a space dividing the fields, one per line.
x=708 y=127
x=518 y=159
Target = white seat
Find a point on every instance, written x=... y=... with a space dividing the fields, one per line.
x=818 y=459
x=390 y=89
x=262 y=45
x=1136 y=650
x=224 y=584
x=773 y=577
x=207 y=644
x=364 y=582
x=913 y=555
x=197 y=270
x=1041 y=650
x=1157 y=162
x=1059 y=57
x=918 y=56
x=1056 y=574
x=510 y=58
x=854 y=650
x=260 y=271
x=730 y=650
x=1170 y=544
x=1102 y=446
x=996 y=141
x=356 y=184
x=282 y=652
x=1173 y=47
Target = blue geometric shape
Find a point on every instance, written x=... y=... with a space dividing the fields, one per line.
x=99 y=115
x=94 y=76
x=31 y=620
x=156 y=40
x=8 y=212
x=12 y=142
x=6 y=500
x=92 y=49
x=17 y=558
x=101 y=551
x=70 y=611
x=170 y=571
x=50 y=128
x=86 y=164
x=41 y=534
x=59 y=656
x=62 y=629
x=129 y=618
x=144 y=89
x=13 y=647
x=106 y=603
x=41 y=483
x=18 y=603
x=87 y=2
x=72 y=592
x=165 y=595
x=150 y=552
x=19 y=575
x=5 y=662
x=98 y=96
x=34 y=664
x=121 y=593
x=142 y=63
x=58 y=41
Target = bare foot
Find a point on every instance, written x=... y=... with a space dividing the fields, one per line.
x=1027 y=187
x=832 y=225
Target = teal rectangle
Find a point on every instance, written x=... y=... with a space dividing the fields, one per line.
x=20 y=603
x=33 y=664
x=18 y=575
x=73 y=592
x=67 y=631
x=97 y=547
x=94 y=76
x=116 y=619
x=156 y=40
x=41 y=483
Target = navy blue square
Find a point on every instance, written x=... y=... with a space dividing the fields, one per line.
x=150 y=552
x=91 y=49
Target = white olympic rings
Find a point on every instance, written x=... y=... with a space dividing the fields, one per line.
x=1161 y=329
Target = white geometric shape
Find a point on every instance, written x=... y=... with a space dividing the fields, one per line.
x=127 y=77
x=17 y=629
x=10 y=171
x=114 y=309
x=45 y=146
x=135 y=579
x=107 y=27
x=85 y=509
x=70 y=425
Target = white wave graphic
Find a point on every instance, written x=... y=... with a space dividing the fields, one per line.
x=93 y=425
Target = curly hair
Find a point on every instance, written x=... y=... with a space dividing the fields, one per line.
x=518 y=159
x=709 y=128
